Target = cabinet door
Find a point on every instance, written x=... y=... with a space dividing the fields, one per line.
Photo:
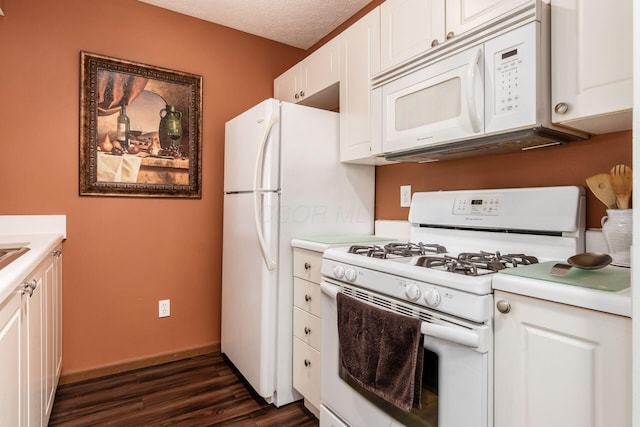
x=592 y=64
x=49 y=338
x=13 y=387
x=320 y=70
x=360 y=60
x=408 y=28
x=310 y=81
x=560 y=366
x=58 y=315
x=36 y=330
x=464 y=15
x=285 y=87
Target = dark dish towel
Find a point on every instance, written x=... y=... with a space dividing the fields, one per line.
x=381 y=351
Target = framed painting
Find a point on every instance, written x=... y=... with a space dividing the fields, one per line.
x=140 y=129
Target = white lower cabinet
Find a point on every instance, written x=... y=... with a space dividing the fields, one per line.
x=37 y=328
x=52 y=339
x=560 y=366
x=13 y=350
x=30 y=346
x=306 y=326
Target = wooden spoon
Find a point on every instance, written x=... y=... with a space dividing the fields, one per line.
x=600 y=186
x=621 y=183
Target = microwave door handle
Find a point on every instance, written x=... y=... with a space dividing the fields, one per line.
x=474 y=67
x=257 y=193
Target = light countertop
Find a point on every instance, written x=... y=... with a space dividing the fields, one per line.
x=41 y=233
x=572 y=293
x=322 y=243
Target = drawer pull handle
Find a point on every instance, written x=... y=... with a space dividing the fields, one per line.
x=307 y=297
x=307 y=331
x=307 y=266
x=307 y=362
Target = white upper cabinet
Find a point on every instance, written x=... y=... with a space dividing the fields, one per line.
x=592 y=64
x=408 y=28
x=288 y=85
x=464 y=15
x=360 y=48
x=313 y=81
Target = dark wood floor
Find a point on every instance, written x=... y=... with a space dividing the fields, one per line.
x=200 y=391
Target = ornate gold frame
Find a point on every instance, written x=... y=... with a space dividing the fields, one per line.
x=157 y=175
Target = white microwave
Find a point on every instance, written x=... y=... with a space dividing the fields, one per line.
x=488 y=96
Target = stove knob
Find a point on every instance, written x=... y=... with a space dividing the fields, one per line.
x=432 y=298
x=351 y=274
x=412 y=292
x=338 y=272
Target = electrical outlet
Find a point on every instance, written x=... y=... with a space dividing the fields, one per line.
x=405 y=196
x=164 y=308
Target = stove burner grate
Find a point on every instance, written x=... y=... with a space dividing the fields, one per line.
x=397 y=249
x=468 y=263
x=450 y=264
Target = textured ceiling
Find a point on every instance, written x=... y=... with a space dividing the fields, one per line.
x=298 y=23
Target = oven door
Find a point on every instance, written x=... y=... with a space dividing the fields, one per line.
x=457 y=377
x=441 y=102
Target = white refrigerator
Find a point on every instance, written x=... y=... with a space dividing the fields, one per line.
x=282 y=179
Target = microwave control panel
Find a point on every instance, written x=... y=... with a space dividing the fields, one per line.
x=508 y=66
x=486 y=205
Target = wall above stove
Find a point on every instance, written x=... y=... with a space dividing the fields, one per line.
x=567 y=165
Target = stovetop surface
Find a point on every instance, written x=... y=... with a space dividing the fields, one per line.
x=433 y=256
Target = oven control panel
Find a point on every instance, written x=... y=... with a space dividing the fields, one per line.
x=478 y=205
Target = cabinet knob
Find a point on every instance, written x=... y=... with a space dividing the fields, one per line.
x=561 y=107
x=30 y=287
x=296 y=96
x=450 y=35
x=307 y=331
x=301 y=93
x=307 y=266
x=435 y=43
x=307 y=362
x=503 y=306
x=307 y=297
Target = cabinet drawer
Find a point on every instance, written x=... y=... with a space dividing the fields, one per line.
x=306 y=371
x=306 y=264
x=306 y=295
x=307 y=327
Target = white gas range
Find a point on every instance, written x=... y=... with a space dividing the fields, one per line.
x=443 y=276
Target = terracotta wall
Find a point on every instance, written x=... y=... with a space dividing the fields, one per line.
x=566 y=165
x=123 y=254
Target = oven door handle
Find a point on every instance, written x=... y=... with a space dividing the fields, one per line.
x=328 y=289
x=466 y=338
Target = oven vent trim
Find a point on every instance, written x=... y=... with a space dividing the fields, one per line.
x=404 y=309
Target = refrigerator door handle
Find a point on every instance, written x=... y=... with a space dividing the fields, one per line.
x=256 y=195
